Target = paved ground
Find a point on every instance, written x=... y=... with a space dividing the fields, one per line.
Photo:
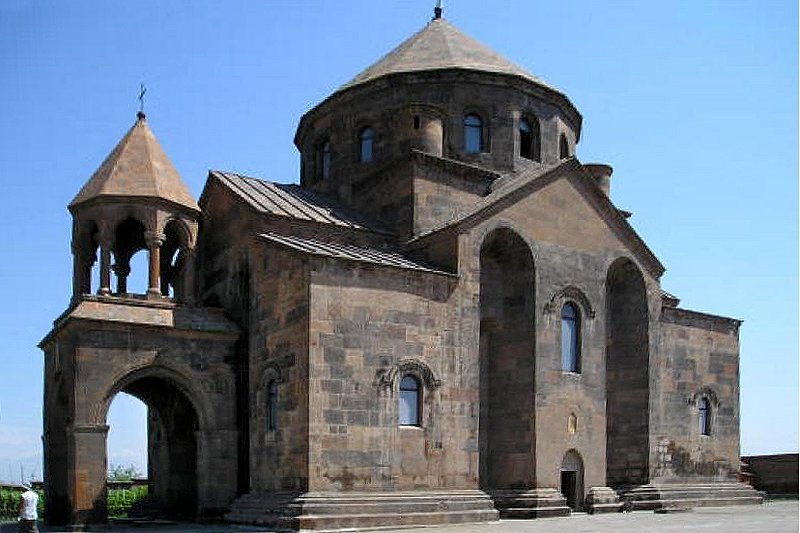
x=774 y=517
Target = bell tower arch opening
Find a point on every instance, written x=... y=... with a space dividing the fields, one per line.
x=172 y=425
x=627 y=376
x=506 y=362
x=128 y=241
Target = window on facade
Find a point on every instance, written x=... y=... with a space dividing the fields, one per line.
x=272 y=406
x=410 y=396
x=563 y=147
x=366 y=139
x=704 y=410
x=570 y=338
x=325 y=160
x=529 y=144
x=473 y=134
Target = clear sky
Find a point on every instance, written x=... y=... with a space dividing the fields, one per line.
x=695 y=104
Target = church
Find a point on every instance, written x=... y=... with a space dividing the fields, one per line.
x=448 y=320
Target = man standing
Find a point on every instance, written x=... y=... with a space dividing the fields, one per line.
x=27 y=510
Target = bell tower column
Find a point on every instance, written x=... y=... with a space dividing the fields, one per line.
x=154 y=240
x=105 y=265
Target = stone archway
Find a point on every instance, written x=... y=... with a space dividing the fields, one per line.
x=172 y=426
x=506 y=362
x=627 y=376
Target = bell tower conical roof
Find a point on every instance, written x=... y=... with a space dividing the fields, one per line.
x=137 y=167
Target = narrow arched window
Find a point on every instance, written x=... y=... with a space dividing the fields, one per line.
x=366 y=140
x=529 y=141
x=473 y=134
x=272 y=406
x=570 y=338
x=704 y=412
x=410 y=401
x=325 y=160
x=563 y=147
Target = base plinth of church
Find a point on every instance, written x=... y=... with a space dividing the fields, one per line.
x=330 y=511
x=530 y=503
x=658 y=496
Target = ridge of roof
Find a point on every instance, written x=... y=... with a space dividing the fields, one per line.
x=348 y=252
x=440 y=45
x=137 y=167
x=293 y=201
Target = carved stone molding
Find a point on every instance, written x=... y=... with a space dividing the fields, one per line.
x=573 y=294
x=704 y=392
x=276 y=368
x=386 y=378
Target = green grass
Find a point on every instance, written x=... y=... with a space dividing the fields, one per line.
x=121 y=500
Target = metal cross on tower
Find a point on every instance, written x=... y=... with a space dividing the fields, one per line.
x=142 y=91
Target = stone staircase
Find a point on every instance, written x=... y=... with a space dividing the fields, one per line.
x=687 y=495
x=322 y=511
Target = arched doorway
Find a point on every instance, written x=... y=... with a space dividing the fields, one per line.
x=572 y=480
x=172 y=424
x=627 y=376
x=506 y=362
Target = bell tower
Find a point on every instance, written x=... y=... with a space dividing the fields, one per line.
x=135 y=201
x=155 y=343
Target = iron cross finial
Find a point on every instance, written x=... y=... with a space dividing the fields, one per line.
x=142 y=91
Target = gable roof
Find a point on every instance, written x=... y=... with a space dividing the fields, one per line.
x=515 y=189
x=388 y=258
x=292 y=201
x=137 y=167
x=440 y=45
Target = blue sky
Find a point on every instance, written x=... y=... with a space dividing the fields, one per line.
x=693 y=103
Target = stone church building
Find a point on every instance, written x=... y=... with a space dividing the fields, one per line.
x=448 y=320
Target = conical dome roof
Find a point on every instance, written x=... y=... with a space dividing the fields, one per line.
x=440 y=45
x=137 y=167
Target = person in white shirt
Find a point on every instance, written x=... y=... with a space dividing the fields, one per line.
x=27 y=510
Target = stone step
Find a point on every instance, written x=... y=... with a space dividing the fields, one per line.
x=332 y=511
x=665 y=496
x=392 y=520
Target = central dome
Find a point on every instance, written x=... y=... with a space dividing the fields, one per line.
x=439 y=46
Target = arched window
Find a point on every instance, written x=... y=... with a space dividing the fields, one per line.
x=529 y=144
x=570 y=338
x=366 y=139
x=563 y=147
x=704 y=412
x=272 y=406
x=324 y=160
x=473 y=134
x=410 y=401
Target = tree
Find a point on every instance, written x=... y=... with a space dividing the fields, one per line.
x=123 y=473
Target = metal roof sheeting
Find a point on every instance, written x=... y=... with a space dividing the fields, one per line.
x=292 y=201
x=348 y=252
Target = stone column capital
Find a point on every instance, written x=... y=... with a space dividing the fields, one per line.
x=154 y=239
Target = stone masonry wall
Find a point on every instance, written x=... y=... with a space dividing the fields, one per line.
x=369 y=326
x=279 y=351
x=700 y=358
